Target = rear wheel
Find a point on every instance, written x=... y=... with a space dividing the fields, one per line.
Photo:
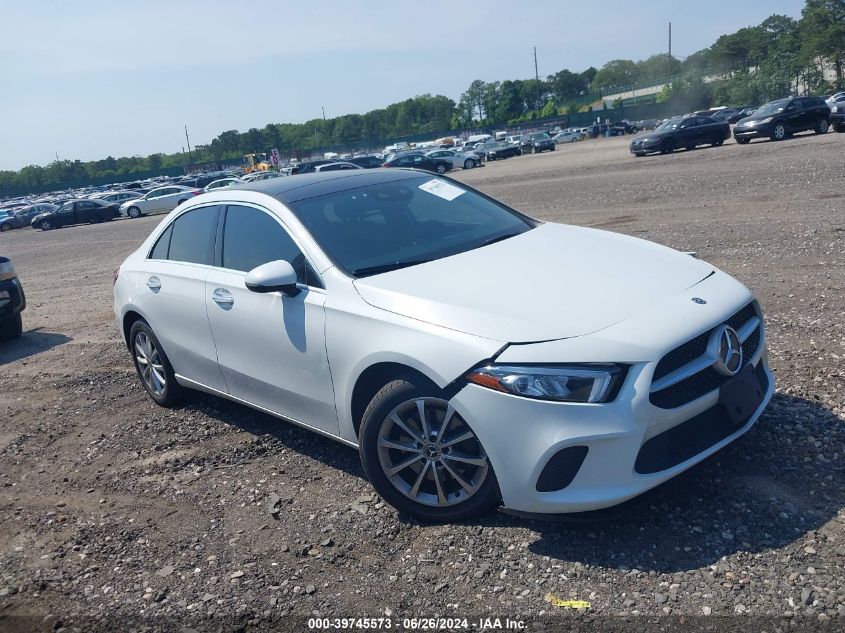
x=469 y=163
x=134 y=212
x=822 y=126
x=11 y=328
x=778 y=132
x=839 y=127
x=422 y=457
x=153 y=367
x=95 y=220
x=717 y=140
x=441 y=169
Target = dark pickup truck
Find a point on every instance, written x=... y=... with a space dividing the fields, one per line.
x=682 y=132
x=76 y=212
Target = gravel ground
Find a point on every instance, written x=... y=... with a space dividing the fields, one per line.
x=216 y=516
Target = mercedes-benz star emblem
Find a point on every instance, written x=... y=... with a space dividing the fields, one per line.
x=725 y=342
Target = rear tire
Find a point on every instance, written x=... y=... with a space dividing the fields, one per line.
x=441 y=169
x=717 y=140
x=839 y=127
x=11 y=328
x=384 y=443
x=153 y=367
x=822 y=126
x=469 y=163
x=181 y=201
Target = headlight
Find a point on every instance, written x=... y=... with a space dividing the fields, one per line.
x=561 y=383
x=835 y=108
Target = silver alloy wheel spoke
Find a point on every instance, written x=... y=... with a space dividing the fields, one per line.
x=415 y=489
x=450 y=411
x=399 y=446
x=468 y=435
x=401 y=424
x=403 y=465
x=150 y=364
x=465 y=485
x=441 y=496
x=426 y=429
x=465 y=459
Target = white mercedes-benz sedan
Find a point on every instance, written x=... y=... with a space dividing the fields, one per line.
x=474 y=356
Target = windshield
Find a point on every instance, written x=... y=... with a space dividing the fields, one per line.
x=391 y=225
x=671 y=124
x=772 y=108
x=539 y=136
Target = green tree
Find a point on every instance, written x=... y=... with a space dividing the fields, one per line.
x=823 y=33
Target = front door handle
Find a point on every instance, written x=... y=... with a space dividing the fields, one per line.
x=154 y=284
x=223 y=298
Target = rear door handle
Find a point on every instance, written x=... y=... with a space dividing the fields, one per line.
x=154 y=284
x=223 y=298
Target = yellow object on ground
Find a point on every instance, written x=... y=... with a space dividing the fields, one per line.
x=566 y=604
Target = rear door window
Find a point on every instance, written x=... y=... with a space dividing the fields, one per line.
x=192 y=238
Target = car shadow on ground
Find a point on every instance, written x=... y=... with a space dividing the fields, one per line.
x=30 y=343
x=766 y=490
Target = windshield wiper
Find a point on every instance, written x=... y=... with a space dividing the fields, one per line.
x=384 y=268
x=493 y=240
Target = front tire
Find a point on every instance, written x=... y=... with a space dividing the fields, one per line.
x=134 y=212
x=743 y=141
x=667 y=147
x=5 y=227
x=45 y=225
x=778 y=132
x=441 y=169
x=11 y=328
x=469 y=163
x=422 y=457
x=153 y=367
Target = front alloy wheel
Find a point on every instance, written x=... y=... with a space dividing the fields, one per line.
x=423 y=458
x=779 y=132
x=45 y=225
x=134 y=212
x=441 y=169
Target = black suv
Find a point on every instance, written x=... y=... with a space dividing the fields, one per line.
x=12 y=301
x=778 y=119
x=537 y=142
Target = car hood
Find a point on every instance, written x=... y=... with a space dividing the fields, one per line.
x=758 y=117
x=43 y=216
x=555 y=281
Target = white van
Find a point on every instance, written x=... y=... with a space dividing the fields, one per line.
x=479 y=138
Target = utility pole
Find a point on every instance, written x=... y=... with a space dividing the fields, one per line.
x=190 y=157
x=670 y=53
x=537 y=78
x=324 y=113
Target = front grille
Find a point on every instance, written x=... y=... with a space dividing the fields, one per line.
x=708 y=379
x=692 y=437
x=636 y=144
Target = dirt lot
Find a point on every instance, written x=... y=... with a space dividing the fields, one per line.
x=114 y=509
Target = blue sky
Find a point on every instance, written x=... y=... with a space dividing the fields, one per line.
x=91 y=78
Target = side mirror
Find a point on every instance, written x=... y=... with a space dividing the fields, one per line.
x=276 y=276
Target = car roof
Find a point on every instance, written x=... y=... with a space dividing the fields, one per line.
x=303 y=186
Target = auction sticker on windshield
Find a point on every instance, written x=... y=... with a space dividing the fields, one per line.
x=442 y=189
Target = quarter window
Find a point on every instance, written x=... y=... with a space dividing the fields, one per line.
x=192 y=238
x=252 y=238
x=162 y=245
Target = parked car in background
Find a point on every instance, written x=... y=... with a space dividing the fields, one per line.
x=502 y=149
x=367 y=162
x=537 y=142
x=160 y=200
x=87 y=211
x=339 y=166
x=308 y=166
x=567 y=136
x=22 y=217
x=12 y=301
x=464 y=160
x=779 y=119
x=622 y=128
x=420 y=161
x=118 y=196
x=515 y=139
x=682 y=132
x=222 y=183
x=257 y=176
x=835 y=99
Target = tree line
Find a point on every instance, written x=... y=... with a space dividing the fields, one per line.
x=777 y=57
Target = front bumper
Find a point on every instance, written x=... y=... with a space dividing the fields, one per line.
x=641 y=146
x=758 y=131
x=521 y=436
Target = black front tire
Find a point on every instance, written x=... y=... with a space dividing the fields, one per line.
x=44 y=225
x=743 y=141
x=173 y=392
x=383 y=403
x=5 y=227
x=11 y=328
